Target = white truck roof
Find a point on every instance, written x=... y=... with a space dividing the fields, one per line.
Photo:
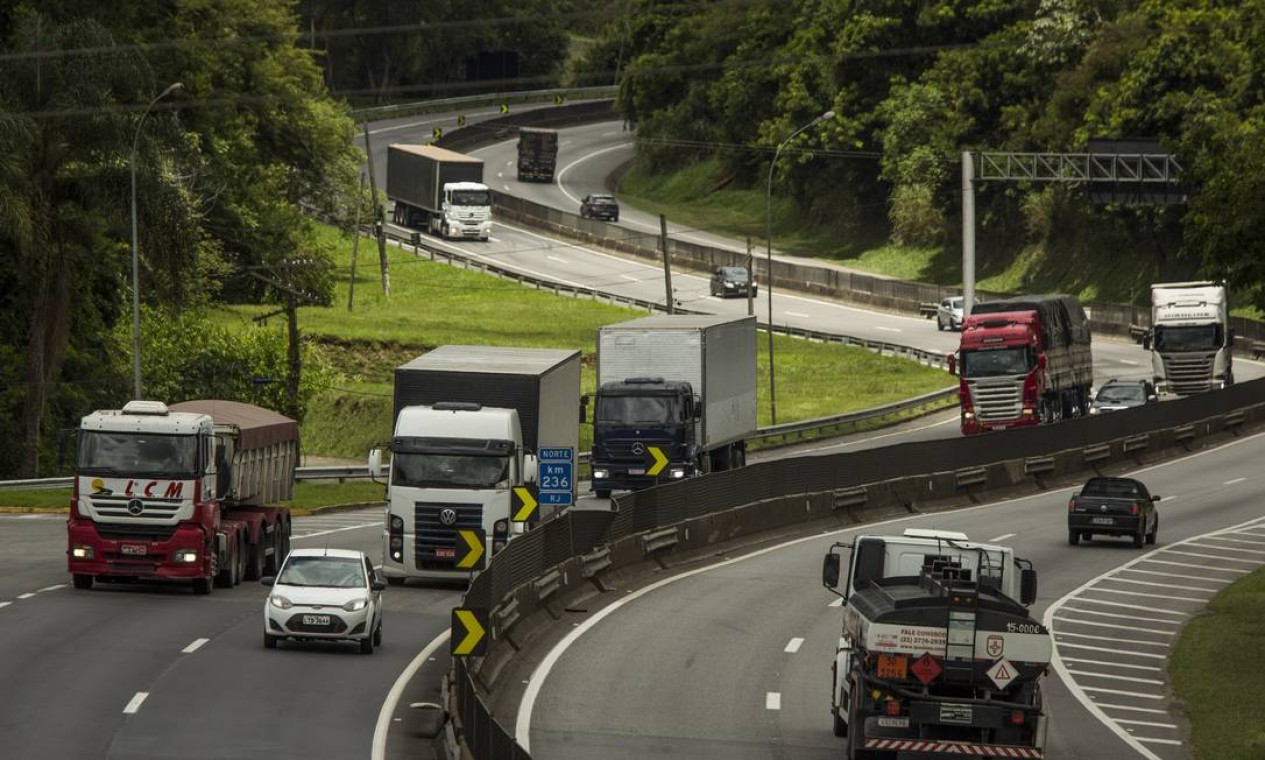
x=487 y=423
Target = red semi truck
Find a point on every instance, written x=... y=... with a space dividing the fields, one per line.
x=1023 y=361
x=180 y=493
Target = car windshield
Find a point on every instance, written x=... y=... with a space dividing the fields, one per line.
x=734 y=273
x=1197 y=338
x=471 y=198
x=1121 y=394
x=1112 y=489
x=632 y=410
x=330 y=572
x=955 y=304
x=449 y=470
x=991 y=363
x=144 y=454
x=602 y=200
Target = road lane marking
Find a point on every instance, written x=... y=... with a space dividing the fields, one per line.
x=1002 y=537
x=1199 y=567
x=1137 y=694
x=195 y=646
x=379 y=749
x=580 y=160
x=1146 y=723
x=136 y=702
x=1176 y=575
x=27 y=596
x=1241 y=541
x=1229 y=549
x=797 y=314
x=1214 y=556
x=1131 y=679
x=1148 y=740
x=1130 y=362
x=1078 y=621
x=1232 y=482
x=773 y=700
x=836 y=603
x=1099 y=637
x=887 y=329
x=1122 y=617
x=557 y=259
x=1112 y=651
x=1112 y=664
x=1148 y=596
x=630 y=278
x=793 y=645
x=337 y=530
x=1158 y=585
x=1134 y=709
x=51 y=588
x=5 y=604
x=1106 y=603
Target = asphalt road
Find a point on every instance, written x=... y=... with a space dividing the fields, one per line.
x=735 y=661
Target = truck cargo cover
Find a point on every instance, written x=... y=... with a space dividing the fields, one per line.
x=259 y=427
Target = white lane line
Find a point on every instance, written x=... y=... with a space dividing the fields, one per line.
x=1095 y=589
x=580 y=160
x=26 y=596
x=1199 y=567
x=6 y=604
x=773 y=700
x=1159 y=585
x=136 y=702
x=1232 y=482
x=797 y=314
x=1112 y=664
x=1137 y=694
x=1122 y=617
x=557 y=259
x=1241 y=541
x=379 y=750
x=630 y=278
x=1228 y=548
x=1149 y=740
x=1076 y=621
x=1131 y=679
x=1161 y=610
x=887 y=329
x=1064 y=644
x=195 y=646
x=1151 y=710
x=51 y=588
x=793 y=645
x=337 y=530
x=1214 y=556
x=1099 y=637
x=1174 y=575
x=1002 y=537
x=1146 y=723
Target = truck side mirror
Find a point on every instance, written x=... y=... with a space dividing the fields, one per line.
x=830 y=571
x=1041 y=361
x=584 y=407
x=530 y=468
x=952 y=361
x=1027 y=586
x=698 y=408
x=375 y=463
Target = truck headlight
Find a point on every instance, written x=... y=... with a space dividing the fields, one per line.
x=187 y=556
x=678 y=472
x=82 y=551
x=599 y=474
x=280 y=602
x=397 y=524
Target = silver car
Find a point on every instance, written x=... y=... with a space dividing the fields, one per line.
x=325 y=595
x=949 y=314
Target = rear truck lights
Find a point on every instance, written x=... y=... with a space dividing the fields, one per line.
x=187 y=556
x=678 y=472
x=280 y=602
x=82 y=551
x=892 y=708
x=1017 y=717
x=600 y=474
x=356 y=605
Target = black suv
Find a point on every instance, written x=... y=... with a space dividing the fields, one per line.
x=1123 y=394
x=598 y=206
x=732 y=281
x=1113 y=507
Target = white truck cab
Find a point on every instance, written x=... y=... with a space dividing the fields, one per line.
x=466 y=211
x=1191 y=340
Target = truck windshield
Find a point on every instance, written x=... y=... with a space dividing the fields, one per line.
x=1004 y=361
x=1196 y=338
x=471 y=198
x=136 y=454
x=629 y=410
x=449 y=470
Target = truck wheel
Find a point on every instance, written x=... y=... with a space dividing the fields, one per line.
x=392 y=581
x=1073 y=537
x=83 y=581
x=841 y=726
x=227 y=576
x=270 y=641
x=602 y=493
x=201 y=586
x=253 y=562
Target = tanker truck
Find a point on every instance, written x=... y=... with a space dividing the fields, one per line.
x=938 y=656
x=181 y=493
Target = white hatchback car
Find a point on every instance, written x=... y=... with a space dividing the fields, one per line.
x=325 y=595
x=949 y=314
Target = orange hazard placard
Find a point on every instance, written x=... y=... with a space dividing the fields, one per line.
x=892 y=666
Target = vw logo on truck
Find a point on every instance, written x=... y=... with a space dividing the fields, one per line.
x=448 y=516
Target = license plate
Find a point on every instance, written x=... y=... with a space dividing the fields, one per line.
x=885 y=722
x=637 y=471
x=446 y=553
x=1104 y=521
x=316 y=620
x=892 y=666
x=958 y=714
x=133 y=549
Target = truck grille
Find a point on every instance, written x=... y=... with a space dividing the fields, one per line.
x=432 y=533
x=622 y=451
x=997 y=399
x=1188 y=373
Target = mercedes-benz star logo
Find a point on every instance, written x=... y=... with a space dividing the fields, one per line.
x=135 y=507
x=638 y=448
x=448 y=516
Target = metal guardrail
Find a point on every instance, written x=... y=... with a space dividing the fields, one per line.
x=374 y=113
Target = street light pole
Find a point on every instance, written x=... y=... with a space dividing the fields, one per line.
x=768 y=237
x=136 y=266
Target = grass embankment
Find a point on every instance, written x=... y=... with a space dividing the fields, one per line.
x=434 y=304
x=308 y=497
x=1218 y=671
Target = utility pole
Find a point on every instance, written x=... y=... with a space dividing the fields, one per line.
x=355 y=242
x=667 y=264
x=293 y=299
x=750 y=279
x=379 y=216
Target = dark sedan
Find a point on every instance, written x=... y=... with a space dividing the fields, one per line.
x=732 y=281
x=1113 y=507
x=598 y=206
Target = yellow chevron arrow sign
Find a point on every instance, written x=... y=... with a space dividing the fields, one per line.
x=524 y=504
x=660 y=461
x=469 y=632
x=470 y=552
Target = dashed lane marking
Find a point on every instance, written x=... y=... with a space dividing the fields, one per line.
x=1002 y=537
x=1160 y=585
x=135 y=704
x=1172 y=575
x=1097 y=637
x=298 y=536
x=27 y=596
x=1151 y=710
x=773 y=700
x=799 y=314
x=793 y=645
x=1113 y=651
x=195 y=646
x=1096 y=624
x=1232 y=482
x=1130 y=679
x=5 y=604
x=1234 y=570
x=1121 y=617
x=1112 y=664
x=1146 y=596
x=1146 y=723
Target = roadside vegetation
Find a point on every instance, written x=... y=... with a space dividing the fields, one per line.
x=1218 y=674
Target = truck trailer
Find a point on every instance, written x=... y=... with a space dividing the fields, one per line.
x=537 y=154
x=938 y=656
x=1191 y=338
x=1023 y=361
x=439 y=190
x=469 y=423
x=181 y=492
x=676 y=397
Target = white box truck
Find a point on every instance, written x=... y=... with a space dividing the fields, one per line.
x=676 y=398
x=439 y=190
x=1191 y=339
x=469 y=422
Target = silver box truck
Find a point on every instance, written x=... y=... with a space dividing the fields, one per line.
x=676 y=397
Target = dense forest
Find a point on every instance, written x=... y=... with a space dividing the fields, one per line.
x=231 y=164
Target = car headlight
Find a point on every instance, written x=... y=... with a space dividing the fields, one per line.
x=356 y=605
x=280 y=602
x=187 y=556
x=731 y=285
